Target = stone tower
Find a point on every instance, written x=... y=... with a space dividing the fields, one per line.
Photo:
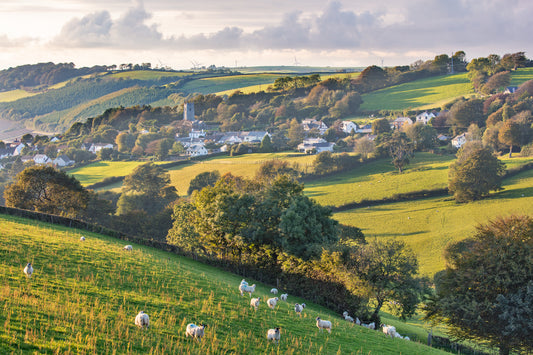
x=188 y=111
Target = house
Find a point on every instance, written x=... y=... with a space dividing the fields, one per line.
x=196 y=150
x=442 y=137
x=399 y=122
x=510 y=89
x=240 y=137
x=6 y=152
x=458 y=141
x=62 y=161
x=349 y=126
x=196 y=133
x=41 y=159
x=310 y=123
x=425 y=117
x=365 y=129
x=96 y=147
x=315 y=145
x=18 y=149
x=54 y=140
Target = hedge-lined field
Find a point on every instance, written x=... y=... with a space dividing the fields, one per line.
x=83 y=298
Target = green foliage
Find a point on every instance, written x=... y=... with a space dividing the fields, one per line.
x=207 y=178
x=398 y=146
x=464 y=113
x=45 y=189
x=476 y=172
x=266 y=145
x=488 y=279
x=380 y=126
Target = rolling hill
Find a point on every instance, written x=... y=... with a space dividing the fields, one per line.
x=83 y=298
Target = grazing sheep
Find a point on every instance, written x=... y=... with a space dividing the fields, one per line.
x=273 y=334
x=347 y=317
x=274 y=291
x=357 y=321
x=254 y=302
x=128 y=248
x=82 y=239
x=195 y=331
x=245 y=288
x=243 y=282
x=142 y=320
x=389 y=330
x=406 y=338
x=284 y=296
x=369 y=326
x=28 y=270
x=271 y=302
x=323 y=324
x=298 y=308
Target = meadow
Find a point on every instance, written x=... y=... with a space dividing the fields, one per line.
x=98 y=171
x=229 y=83
x=14 y=95
x=147 y=74
x=83 y=298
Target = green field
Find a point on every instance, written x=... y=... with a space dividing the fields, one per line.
x=420 y=94
x=95 y=172
x=427 y=226
x=147 y=74
x=83 y=298
x=229 y=83
x=14 y=95
x=521 y=75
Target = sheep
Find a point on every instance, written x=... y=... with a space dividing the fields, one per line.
x=195 y=331
x=245 y=288
x=128 y=248
x=82 y=239
x=323 y=324
x=273 y=334
x=243 y=282
x=298 y=308
x=389 y=330
x=142 y=320
x=284 y=296
x=369 y=326
x=254 y=302
x=28 y=270
x=271 y=302
x=357 y=321
x=274 y=291
x=406 y=338
x=347 y=317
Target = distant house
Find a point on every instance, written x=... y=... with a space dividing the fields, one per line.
x=196 y=133
x=510 y=89
x=442 y=137
x=6 y=152
x=96 y=147
x=54 y=140
x=240 y=137
x=365 y=129
x=349 y=126
x=196 y=150
x=62 y=161
x=41 y=159
x=310 y=123
x=18 y=149
x=458 y=141
x=425 y=117
x=315 y=145
x=401 y=121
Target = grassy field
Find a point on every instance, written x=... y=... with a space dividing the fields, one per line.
x=420 y=94
x=83 y=298
x=521 y=75
x=14 y=95
x=427 y=226
x=95 y=172
x=147 y=74
x=229 y=83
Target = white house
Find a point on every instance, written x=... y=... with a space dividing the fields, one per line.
x=96 y=147
x=425 y=117
x=316 y=145
x=196 y=150
x=196 y=133
x=18 y=149
x=458 y=141
x=349 y=126
x=63 y=160
x=253 y=136
x=54 y=140
x=41 y=159
x=310 y=123
x=401 y=121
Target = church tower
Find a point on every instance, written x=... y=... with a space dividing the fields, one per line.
x=188 y=111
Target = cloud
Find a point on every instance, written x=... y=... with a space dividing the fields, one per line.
x=9 y=43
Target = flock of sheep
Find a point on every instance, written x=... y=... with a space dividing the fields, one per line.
x=142 y=320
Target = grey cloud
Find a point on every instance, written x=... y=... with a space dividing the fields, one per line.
x=6 y=42
x=92 y=30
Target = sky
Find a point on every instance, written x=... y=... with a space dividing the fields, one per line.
x=236 y=33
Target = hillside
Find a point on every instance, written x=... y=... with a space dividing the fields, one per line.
x=83 y=298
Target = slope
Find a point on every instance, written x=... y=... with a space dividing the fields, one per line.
x=83 y=298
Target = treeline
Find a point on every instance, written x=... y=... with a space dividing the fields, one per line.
x=42 y=74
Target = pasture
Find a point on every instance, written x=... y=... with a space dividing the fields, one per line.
x=14 y=95
x=147 y=74
x=98 y=171
x=228 y=83
x=521 y=75
x=83 y=298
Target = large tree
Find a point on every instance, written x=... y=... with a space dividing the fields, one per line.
x=464 y=113
x=398 y=146
x=46 y=189
x=475 y=172
x=486 y=292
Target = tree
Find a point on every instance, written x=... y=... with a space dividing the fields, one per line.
x=46 y=189
x=398 y=147
x=388 y=273
x=266 y=145
x=464 y=113
x=207 y=178
x=424 y=137
x=486 y=292
x=497 y=82
x=296 y=133
x=269 y=170
x=475 y=172
x=380 y=126
x=510 y=134
x=364 y=146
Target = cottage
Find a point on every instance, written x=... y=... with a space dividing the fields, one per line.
x=310 y=123
x=6 y=152
x=425 y=117
x=62 y=161
x=458 y=141
x=315 y=145
x=349 y=126
x=96 y=147
x=196 y=150
x=399 y=122
x=41 y=159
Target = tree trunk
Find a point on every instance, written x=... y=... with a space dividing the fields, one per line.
x=510 y=151
x=504 y=349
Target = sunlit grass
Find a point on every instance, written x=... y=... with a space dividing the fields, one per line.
x=98 y=171
x=147 y=74
x=521 y=75
x=229 y=83
x=83 y=298
x=14 y=95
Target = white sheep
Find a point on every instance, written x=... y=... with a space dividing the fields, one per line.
x=347 y=317
x=243 y=282
x=273 y=334
x=28 y=270
x=369 y=326
x=274 y=291
x=246 y=288
x=298 y=308
x=195 y=331
x=284 y=296
x=128 y=248
x=406 y=338
x=82 y=239
x=389 y=330
x=323 y=324
x=271 y=302
x=142 y=320
x=254 y=302
x=357 y=321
